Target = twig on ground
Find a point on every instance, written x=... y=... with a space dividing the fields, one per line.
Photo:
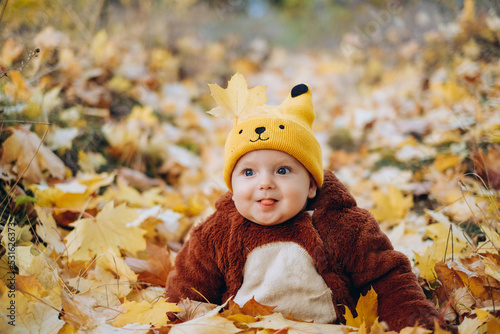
x=3 y=9
x=33 y=53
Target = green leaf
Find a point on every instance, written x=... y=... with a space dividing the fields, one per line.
x=20 y=200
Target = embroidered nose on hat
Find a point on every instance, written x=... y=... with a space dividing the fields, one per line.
x=260 y=130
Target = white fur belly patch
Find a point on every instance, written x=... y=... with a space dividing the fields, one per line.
x=282 y=274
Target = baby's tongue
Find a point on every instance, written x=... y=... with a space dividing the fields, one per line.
x=267 y=201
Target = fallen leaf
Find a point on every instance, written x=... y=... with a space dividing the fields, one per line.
x=116 y=265
x=108 y=230
x=426 y=263
x=146 y=313
x=30 y=286
x=463 y=301
x=47 y=230
x=30 y=315
x=192 y=309
x=470 y=325
x=11 y=51
x=438 y=329
x=78 y=308
x=392 y=206
x=367 y=309
x=488 y=166
x=31 y=158
x=254 y=308
x=210 y=323
x=416 y=330
x=277 y=322
x=155 y=269
x=493 y=325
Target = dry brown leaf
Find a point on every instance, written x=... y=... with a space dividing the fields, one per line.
x=488 y=165
x=463 y=301
x=254 y=308
x=78 y=308
x=155 y=269
x=193 y=309
x=26 y=152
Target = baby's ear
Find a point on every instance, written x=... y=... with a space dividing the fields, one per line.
x=312 y=188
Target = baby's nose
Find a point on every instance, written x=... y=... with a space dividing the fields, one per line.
x=266 y=182
x=260 y=130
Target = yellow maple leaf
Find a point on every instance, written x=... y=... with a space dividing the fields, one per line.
x=31 y=286
x=47 y=230
x=443 y=162
x=117 y=265
x=73 y=195
x=426 y=263
x=31 y=261
x=108 y=230
x=367 y=309
x=392 y=206
x=30 y=317
x=237 y=101
x=448 y=238
x=146 y=313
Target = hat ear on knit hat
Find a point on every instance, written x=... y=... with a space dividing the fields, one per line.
x=286 y=127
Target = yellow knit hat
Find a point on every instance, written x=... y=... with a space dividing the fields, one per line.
x=285 y=128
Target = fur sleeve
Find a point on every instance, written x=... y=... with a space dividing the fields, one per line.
x=196 y=274
x=374 y=262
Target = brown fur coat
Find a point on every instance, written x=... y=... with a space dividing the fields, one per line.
x=348 y=249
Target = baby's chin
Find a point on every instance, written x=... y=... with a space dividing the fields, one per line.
x=268 y=221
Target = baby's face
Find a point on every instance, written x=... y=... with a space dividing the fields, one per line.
x=270 y=187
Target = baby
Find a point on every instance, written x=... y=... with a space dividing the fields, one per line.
x=290 y=234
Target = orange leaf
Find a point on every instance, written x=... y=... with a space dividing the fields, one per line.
x=254 y=308
x=488 y=166
x=155 y=270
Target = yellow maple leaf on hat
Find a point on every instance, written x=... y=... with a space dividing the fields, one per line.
x=108 y=231
x=237 y=101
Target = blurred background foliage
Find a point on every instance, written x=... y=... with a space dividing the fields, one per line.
x=289 y=23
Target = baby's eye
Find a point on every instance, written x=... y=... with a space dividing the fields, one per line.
x=283 y=170
x=248 y=172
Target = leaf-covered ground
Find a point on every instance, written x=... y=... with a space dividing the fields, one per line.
x=108 y=158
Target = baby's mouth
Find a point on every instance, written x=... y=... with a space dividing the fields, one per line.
x=267 y=201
